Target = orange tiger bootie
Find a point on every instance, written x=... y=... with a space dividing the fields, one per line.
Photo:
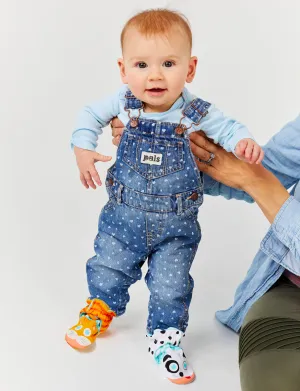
x=94 y=319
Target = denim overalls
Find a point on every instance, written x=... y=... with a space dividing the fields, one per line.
x=155 y=190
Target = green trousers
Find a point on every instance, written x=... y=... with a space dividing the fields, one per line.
x=269 y=345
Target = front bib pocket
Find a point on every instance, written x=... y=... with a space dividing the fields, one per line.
x=153 y=158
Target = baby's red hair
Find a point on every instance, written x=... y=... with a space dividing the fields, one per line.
x=158 y=22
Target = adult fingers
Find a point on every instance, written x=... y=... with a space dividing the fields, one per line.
x=199 y=152
x=116 y=140
x=117 y=127
x=202 y=142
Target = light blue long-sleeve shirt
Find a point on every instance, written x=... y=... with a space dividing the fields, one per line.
x=280 y=248
x=223 y=130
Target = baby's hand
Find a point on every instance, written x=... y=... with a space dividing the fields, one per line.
x=249 y=151
x=86 y=163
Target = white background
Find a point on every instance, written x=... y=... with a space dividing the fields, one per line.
x=57 y=56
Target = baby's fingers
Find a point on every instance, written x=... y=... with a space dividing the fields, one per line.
x=95 y=175
x=255 y=154
x=89 y=180
x=101 y=158
x=83 y=181
x=261 y=157
x=241 y=147
x=249 y=150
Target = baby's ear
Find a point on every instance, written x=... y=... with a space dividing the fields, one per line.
x=122 y=70
x=192 y=69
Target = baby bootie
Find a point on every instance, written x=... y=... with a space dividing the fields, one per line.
x=94 y=319
x=169 y=356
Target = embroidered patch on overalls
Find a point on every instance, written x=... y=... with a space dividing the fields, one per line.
x=151 y=158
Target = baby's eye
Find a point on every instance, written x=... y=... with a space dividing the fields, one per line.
x=141 y=65
x=168 y=64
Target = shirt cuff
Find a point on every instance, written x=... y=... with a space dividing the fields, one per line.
x=287 y=222
x=238 y=136
x=83 y=144
x=281 y=235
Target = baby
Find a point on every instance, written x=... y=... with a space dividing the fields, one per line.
x=154 y=187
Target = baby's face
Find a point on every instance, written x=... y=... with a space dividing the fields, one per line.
x=156 y=68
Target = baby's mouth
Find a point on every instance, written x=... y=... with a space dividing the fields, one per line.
x=156 y=90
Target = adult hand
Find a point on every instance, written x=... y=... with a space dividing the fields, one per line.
x=224 y=167
x=117 y=130
x=258 y=182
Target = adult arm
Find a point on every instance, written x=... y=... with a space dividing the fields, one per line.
x=253 y=179
x=282 y=242
x=282 y=158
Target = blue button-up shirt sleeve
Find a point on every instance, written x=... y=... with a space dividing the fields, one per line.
x=93 y=118
x=282 y=242
x=214 y=188
x=282 y=154
x=282 y=157
x=280 y=249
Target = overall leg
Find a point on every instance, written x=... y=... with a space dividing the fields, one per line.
x=171 y=287
x=117 y=265
x=120 y=251
x=269 y=347
x=168 y=277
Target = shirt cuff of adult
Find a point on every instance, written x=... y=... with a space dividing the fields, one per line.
x=287 y=222
x=283 y=236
